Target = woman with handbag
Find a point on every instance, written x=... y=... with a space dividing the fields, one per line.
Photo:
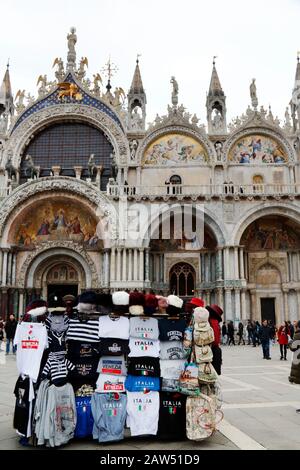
x=283 y=339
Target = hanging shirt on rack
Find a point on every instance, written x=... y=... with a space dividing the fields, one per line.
x=114 y=365
x=171 y=350
x=83 y=330
x=58 y=323
x=57 y=367
x=113 y=346
x=109 y=413
x=113 y=327
x=83 y=349
x=142 y=413
x=145 y=366
x=171 y=330
x=85 y=368
x=134 y=383
x=144 y=328
x=171 y=369
x=31 y=340
x=172 y=416
x=107 y=383
x=85 y=422
x=24 y=394
x=144 y=347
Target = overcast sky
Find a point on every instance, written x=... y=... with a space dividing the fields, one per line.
x=253 y=38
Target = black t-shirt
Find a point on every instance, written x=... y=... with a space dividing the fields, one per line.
x=21 y=415
x=172 y=416
x=114 y=347
x=171 y=330
x=146 y=366
x=82 y=349
x=85 y=368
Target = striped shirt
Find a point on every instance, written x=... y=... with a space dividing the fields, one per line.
x=83 y=330
x=57 y=367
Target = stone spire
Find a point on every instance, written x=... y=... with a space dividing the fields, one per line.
x=137 y=102
x=6 y=96
x=295 y=101
x=216 y=105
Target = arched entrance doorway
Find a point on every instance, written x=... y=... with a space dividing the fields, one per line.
x=182 y=280
x=272 y=260
x=61 y=279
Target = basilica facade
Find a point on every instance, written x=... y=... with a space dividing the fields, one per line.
x=81 y=172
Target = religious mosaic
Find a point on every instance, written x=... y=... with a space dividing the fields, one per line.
x=257 y=149
x=271 y=234
x=175 y=148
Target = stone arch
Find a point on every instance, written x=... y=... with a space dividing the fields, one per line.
x=68 y=186
x=285 y=210
x=54 y=251
x=182 y=277
x=62 y=112
x=268 y=263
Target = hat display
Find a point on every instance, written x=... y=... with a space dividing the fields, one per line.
x=104 y=300
x=36 y=309
x=151 y=304
x=197 y=302
x=175 y=304
x=217 y=309
x=120 y=302
x=136 y=303
x=87 y=301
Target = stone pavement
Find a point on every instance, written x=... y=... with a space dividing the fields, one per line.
x=259 y=407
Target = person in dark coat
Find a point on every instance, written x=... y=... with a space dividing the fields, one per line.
x=265 y=336
x=230 y=329
x=291 y=328
x=10 y=331
x=215 y=318
x=241 y=333
x=224 y=333
x=250 y=332
x=295 y=348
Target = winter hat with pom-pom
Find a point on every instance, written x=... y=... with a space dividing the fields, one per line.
x=174 y=305
x=151 y=304
x=136 y=302
x=36 y=310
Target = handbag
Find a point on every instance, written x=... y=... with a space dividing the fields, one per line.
x=207 y=373
x=203 y=334
x=203 y=354
x=202 y=417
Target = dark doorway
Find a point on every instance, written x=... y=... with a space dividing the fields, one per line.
x=268 y=310
x=57 y=291
x=182 y=280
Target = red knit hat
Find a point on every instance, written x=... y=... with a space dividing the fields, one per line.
x=217 y=309
x=197 y=302
x=136 y=298
x=151 y=304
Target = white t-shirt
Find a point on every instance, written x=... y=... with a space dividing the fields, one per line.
x=143 y=347
x=142 y=413
x=171 y=369
x=113 y=327
x=107 y=383
x=146 y=328
x=31 y=340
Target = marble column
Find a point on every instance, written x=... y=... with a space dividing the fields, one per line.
x=1 y=269
x=129 y=265
x=138 y=176
x=141 y=264
x=289 y=270
x=220 y=298
x=226 y=264
x=113 y=264
x=21 y=302
x=253 y=313
x=9 y=262
x=156 y=267
x=243 y=305
x=147 y=265
x=119 y=264
x=135 y=264
x=124 y=265
x=207 y=297
x=219 y=265
x=237 y=295
x=161 y=268
x=207 y=267
x=14 y=268
x=4 y=268
x=106 y=267
x=242 y=266
x=4 y=303
x=236 y=263
x=286 y=305
x=298 y=300
x=228 y=305
x=202 y=255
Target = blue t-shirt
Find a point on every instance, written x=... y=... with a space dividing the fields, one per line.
x=140 y=384
x=85 y=421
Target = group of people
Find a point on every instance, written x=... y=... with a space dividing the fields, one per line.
x=7 y=332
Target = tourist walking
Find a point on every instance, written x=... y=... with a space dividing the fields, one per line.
x=294 y=346
x=283 y=339
x=249 y=332
x=224 y=333
x=10 y=331
x=230 y=329
x=215 y=318
x=241 y=333
x=264 y=336
x=291 y=328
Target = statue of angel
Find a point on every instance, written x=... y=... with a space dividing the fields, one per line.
x=81 y=71
x=60 y=72
x=43 y=88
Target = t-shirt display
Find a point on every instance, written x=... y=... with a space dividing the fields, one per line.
x=57 y=368
x=171 y=330
x=31 y=340
x=171 y=369
x=113 y=327
x=143 y=365
x=109 y=413
x=82 y=349
x=113 y=346
x=85 y=422
x=85 y=368
x=24 y=395
x=144 y=347
x=81 y=330
x=142 y=413
x=112 y=365
x=144 y=328
x=134 y=383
